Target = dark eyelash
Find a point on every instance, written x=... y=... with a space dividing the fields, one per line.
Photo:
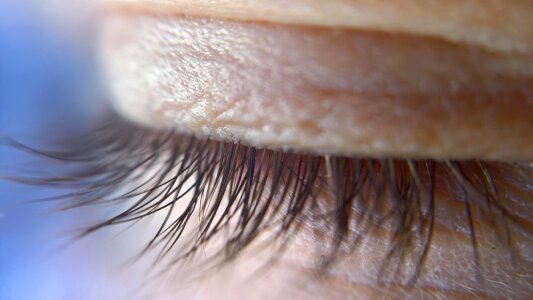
x=243 y=190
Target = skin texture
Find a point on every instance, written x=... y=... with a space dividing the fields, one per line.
x=280 y=87
x=343 y=77
x=494 y=24
x=449 y=272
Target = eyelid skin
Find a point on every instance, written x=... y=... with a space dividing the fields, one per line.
x=323 y=90
x=504 y=25
x=451 y=89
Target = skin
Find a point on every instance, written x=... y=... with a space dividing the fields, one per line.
x=243 y=82
x=448 y=273
x=495 y=24
x=413 y=79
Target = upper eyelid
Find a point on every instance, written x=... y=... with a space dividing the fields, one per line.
x=491 y=25
x=210 y=77
x=143 y=138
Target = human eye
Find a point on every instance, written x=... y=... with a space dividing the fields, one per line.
x=357 y=150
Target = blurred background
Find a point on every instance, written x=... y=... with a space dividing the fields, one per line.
x=49 y=86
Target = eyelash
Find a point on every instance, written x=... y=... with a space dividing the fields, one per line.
x=243 y=191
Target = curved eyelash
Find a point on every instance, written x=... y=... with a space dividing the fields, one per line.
x=242 y=191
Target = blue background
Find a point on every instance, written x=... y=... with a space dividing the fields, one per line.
x=49 y=85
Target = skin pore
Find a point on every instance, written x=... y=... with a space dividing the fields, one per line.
x=413 y=79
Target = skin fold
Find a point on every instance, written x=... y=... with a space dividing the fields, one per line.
x=401 y=79
x=495 y=24
x=276 y=87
